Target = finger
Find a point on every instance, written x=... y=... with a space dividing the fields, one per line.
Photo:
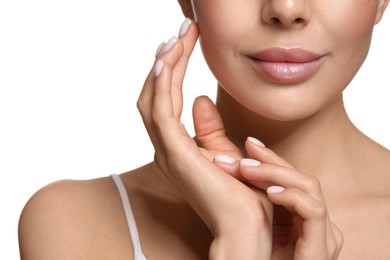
x=144 y=102
x=263 y=175
x=145 y=98
x=298 y=202
x=209 y=128
x=313 y=237
x=188 y=37
x=166 y=126
x=249 y=170
x=176 y=54
x=228 y=165
x=318 y=232
x=159 y=50
x=258 y=151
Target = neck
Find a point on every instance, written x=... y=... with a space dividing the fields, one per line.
x=310 y=144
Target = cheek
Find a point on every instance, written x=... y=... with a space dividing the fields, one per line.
x=222 y=31
x=348 y=36
x=349 y=30
x=219 y=21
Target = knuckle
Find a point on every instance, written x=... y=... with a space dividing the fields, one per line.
x=319 y=211
x=140 y=104
x=313 y=184
x=268 y=169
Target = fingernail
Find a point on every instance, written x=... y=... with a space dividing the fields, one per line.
x=249 y=162
x=169 y=44
x=184 y=27
x=275 y=189
x=224 y=159
x=159 y=48
x=158 y=68
x=255 y=141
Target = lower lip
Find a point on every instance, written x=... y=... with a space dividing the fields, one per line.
x=287 y=72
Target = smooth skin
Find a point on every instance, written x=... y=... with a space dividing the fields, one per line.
x=330 y=195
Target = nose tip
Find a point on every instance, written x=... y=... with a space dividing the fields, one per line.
x=286 y=13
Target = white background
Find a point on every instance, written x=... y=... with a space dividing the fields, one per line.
x=70 y=75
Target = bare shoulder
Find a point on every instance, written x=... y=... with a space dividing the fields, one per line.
x=371 y=161
x=379 y=162
x=86 y=220
x=74 y=220
x=363 y=212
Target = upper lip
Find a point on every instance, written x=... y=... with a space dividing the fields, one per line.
x=292 y=55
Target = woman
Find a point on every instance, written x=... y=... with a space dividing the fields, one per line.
x=314 y=187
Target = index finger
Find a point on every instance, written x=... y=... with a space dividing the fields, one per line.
x=258 y=151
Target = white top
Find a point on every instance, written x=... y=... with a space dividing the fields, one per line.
x=138 y=255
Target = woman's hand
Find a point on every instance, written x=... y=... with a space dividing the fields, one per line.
x=301 y=225
x=233 y=212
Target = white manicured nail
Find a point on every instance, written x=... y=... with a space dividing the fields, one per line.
x=224 y=159
x=255 y=141
x=158 y=68
x=184 y=27
x=249 y=162
x=159 y=48
x=275 y=189
x=170 y=44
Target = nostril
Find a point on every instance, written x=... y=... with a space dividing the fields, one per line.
x=292 y=22
x=274 y=20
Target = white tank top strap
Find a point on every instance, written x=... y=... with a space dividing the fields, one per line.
x=138 y=255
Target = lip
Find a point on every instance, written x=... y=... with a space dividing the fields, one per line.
x=284 y=65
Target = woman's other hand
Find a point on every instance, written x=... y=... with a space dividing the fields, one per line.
x=229 y=208
x=301 y=225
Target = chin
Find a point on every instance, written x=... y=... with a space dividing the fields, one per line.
x=290 y=109
x=288 y=116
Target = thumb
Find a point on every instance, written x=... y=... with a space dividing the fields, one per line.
x=209 y=128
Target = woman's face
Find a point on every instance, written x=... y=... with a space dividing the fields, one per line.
x=285 y=59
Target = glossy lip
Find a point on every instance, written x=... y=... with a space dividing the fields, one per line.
x=283 y=65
